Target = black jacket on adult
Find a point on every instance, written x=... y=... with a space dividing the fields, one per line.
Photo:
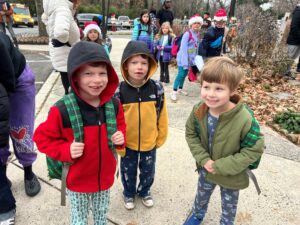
x=4 y=116
x=12 y=63
x=164 y=15
x=294 y=35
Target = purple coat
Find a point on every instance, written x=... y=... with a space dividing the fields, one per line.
x=167 y=56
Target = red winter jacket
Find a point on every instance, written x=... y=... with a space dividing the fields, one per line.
x=94 y=171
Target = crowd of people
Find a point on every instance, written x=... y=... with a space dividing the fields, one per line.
x=100 y=118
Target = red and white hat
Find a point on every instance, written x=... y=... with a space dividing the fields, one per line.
x=88 y=26
x=195 y=19
x=220 y=15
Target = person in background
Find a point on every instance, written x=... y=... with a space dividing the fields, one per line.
x=152 y=15
x=206 y=24
x=92 y=32
x=163 y=43
x=6 y=12
x=212 y=42
x=142 y=30
x=165 y=14
x=293 y=41
x=186 y=55
x=63 y=33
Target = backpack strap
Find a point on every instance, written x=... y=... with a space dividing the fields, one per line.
x=111 y=124
x=169 y=40
x=77 y=127
x=159 y=93
x=190 y=35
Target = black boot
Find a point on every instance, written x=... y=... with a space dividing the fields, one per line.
x=32 y=184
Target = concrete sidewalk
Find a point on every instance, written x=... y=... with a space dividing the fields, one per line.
x=175 y=180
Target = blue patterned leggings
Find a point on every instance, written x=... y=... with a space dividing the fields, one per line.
x=80 y=205
x=229 y=198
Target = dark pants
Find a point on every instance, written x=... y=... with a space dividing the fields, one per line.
x=164 y=71
x=129 y=166
x=65 y=81
x=229 y=198
x=7 y=200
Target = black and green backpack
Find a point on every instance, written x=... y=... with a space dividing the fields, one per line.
x=58 y=169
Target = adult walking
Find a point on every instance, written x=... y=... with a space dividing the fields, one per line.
x=63 y=33
x=165 y=14
x=6 y=21
x=293 y=39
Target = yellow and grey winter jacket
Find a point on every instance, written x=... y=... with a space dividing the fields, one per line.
x=145 y=127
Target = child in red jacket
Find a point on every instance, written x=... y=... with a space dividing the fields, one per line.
x=91 y=174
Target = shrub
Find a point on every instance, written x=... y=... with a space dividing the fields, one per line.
x=289 y=120
x=257 y=41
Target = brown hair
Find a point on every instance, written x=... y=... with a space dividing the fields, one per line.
x=221 y=70
x=91 y=64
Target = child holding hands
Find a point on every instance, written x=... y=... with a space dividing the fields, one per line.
x=224 y=138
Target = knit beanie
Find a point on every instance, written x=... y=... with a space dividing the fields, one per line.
x=220 y=15
x=195 y=19
x=88 y=26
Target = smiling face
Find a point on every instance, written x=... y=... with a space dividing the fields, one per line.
x=91 y=81
x=217 y=97
x=137 y=68
x=93 y=35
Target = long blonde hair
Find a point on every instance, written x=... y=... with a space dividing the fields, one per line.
x=160 y=33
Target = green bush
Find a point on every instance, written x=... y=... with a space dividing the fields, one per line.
x=90 y=9
x=289 y=120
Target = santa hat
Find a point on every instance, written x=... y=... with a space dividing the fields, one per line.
x=220 y=15
x=195 y=19
x=88 y=26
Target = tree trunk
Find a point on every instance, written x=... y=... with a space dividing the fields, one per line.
x=232 y=8
x=39 y=12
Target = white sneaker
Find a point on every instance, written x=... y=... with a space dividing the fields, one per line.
x=180 y=91
x=173 y=96
x=148 y=201
x=10 y=221
x=129 y=203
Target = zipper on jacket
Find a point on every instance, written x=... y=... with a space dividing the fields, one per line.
x=139 y=109
x=99 y=146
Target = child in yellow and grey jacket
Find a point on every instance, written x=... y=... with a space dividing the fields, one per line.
x=146 y=117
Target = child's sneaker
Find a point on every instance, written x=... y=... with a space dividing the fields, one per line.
x=173 y=96
x=148 y=201
x=182 y=92
x=9 y=221
x=192 y=220
x=129 y=203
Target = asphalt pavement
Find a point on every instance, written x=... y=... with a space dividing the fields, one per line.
x=175 y=180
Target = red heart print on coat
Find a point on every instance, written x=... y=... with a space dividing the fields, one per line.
x=19 y=135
